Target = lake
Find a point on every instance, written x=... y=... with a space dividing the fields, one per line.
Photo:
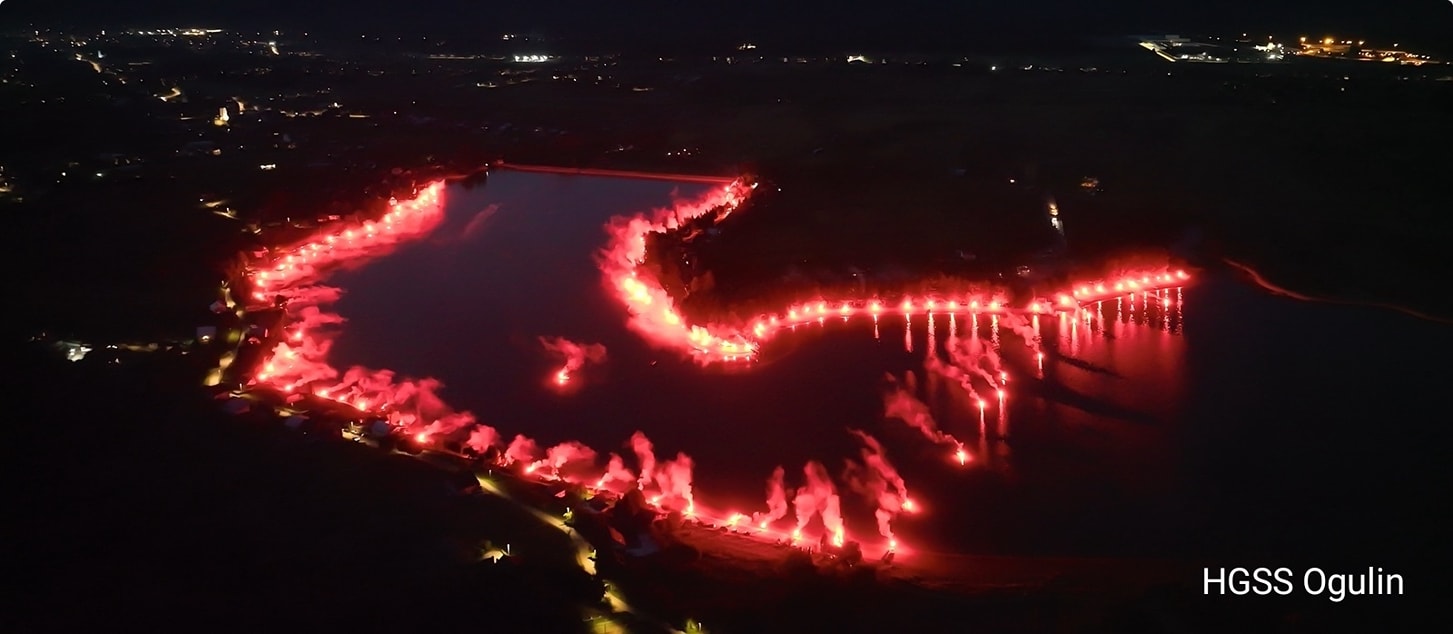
x=1209 y=420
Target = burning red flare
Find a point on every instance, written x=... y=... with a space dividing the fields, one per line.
x=575 y=355
x=299 y=362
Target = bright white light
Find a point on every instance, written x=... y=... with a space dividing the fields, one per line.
x=75 y=351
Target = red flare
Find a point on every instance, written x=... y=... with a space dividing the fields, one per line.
x=299 y=364
x=575 y=355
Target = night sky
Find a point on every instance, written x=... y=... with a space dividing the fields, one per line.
x=901 y=23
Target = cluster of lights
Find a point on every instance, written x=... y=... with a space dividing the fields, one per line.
x=656 y=316
x=531 y=59
x=294 y=365
x=764 y=326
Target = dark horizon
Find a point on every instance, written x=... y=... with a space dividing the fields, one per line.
x=911 y=25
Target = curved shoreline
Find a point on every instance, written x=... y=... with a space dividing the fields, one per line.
x=1257 y=278
x=295 y=367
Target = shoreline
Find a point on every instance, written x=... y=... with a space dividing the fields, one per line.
x=1267 y=285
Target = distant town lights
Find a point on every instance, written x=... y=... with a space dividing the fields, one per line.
x=532 y=59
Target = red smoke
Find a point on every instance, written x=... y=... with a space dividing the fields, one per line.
x=818 y=497
x=522 y=450
x=776 y=500
x=653 y=313
x=645 y=458
x=673 y=480
x=616 y=473
x=880 y=482
x=573 y=356
x=481 y=438
x=297 y=364
x=901 y=403
x=580 y=457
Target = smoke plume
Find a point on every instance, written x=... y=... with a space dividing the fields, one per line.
x=879 y=481
x=776 y=500
x=573 y=355
x=818 y=497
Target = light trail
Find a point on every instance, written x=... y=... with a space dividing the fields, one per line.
x=1260 y=280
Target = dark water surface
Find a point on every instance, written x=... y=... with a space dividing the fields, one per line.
x=1227 y=423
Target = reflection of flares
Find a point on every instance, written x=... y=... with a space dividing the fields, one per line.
x=297 y=362
x=932 y=345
